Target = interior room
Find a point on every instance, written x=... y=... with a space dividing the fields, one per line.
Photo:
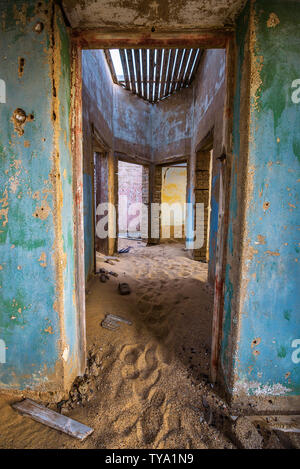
x=149 y=268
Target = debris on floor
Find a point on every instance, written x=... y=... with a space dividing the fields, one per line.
x=109 y=324
x=102 y=257
x=111 y=321
x=124 y=289
x=114 y=274
x=114 y=317
x=112 y=258
x=284 y=423
x=147 y=385
x=104 y=274
x=125 y=250
x=103 y=278
x=52 y=419
x=109 y=261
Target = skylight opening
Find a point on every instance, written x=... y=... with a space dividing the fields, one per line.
x=116 y=60
x=153 y=74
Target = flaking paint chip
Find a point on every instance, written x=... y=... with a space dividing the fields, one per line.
x=273 y=20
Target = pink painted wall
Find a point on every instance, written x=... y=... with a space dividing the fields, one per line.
x=130 y=192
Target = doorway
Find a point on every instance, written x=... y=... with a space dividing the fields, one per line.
x=156 y=319
x=173 y=199
x=130 y=199
x=100 y=202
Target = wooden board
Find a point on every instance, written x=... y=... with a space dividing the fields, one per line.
x=284 y=423
x=52 y=419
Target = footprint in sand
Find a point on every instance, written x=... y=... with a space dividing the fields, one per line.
x=144 y=308
x=129 y=356
x=142 y=387
x=123 y=391
x=149 y=425
x=130 y=372
x=126 y=421
x=157 y=398
x=186 y=274
x=175 y=440
x=130 y=353
x=147 y=363
x=146 y=297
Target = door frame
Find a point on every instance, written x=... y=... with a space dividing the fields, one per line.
x=99 y=39
x=99 y=146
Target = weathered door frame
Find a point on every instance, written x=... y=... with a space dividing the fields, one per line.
x=225 y=179
x=99 y=147
x=97 y=39
x=206 y=145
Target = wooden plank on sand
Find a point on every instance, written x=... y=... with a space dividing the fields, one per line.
x=52 y=419
x=284 y=423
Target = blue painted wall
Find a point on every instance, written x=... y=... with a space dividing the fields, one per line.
x=266 y=360
x=63 y=86
x=37 y=312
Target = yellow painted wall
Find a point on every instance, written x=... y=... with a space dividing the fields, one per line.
x=173 y=192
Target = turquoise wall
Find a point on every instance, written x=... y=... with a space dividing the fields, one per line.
x=66 y=171
x=267 y=357
x=37 y=311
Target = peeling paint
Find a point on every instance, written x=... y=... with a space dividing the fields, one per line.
x=264 y=298
x=42 y=259
x=273 y=20
x=42 y=211
x=255 y=388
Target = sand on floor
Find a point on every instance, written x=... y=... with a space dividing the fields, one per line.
x=146 y=385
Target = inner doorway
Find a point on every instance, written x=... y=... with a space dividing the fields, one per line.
x=130 y=198
x=173 y=199
x=100 y=199
x=166 y=346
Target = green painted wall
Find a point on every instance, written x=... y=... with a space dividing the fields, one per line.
x=262 y=293
x=37 y=312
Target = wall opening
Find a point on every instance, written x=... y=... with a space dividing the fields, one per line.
x=203 y=197
x=156 y=164
x=130 y=199
x=101 y=202
x=173 y=200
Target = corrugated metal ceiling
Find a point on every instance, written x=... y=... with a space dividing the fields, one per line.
x=154 y=74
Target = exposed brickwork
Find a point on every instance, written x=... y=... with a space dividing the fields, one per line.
x=156 y=198
x=202 y=196
x=145 y=220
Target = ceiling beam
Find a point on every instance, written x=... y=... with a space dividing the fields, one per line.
x=199 y=56
x=111 y=66
x=176 y=70
x=170 y=71
x=144 y=74
x=186 y=80
x=164 y=72
x=151 y=74
x=157 y=73
x=125 y=68
x=131 y=70
x=182 y=69
x=99 y=39
x=138 y=71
